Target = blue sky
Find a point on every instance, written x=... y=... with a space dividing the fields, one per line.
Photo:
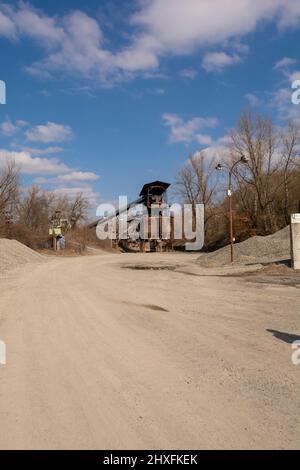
x=103 y=96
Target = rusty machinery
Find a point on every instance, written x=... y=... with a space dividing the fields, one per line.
x=153 y=196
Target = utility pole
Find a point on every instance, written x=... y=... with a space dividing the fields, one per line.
x=220 y=167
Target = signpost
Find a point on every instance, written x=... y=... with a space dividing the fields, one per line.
x=295 y=240
x=56 y=230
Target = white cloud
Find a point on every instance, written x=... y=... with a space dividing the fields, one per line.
x=21 y=123
x=31 y=162
x=294 y=76
x=141 y=55
x=33 y=23
x=217 y=61
x=218 y=149
x=182 y=25
x=53 y=167
x=290 y=14
x=9 y=128
x=50 y=132
x=7 y=27
x=45 y=151
x=78 y=176
x=240 y=48
x=79 y=52
x=75 y=44
x=188 y=131
x=40 y=180
x=188 y=73
x=86 y=190
x=34 y=165
x=284 y=63
x=253 y=100
x=203 y=139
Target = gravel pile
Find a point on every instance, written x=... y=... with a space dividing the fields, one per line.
x=14 y=255
x=255 y=250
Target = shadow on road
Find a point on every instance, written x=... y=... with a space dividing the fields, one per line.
x=286 y=337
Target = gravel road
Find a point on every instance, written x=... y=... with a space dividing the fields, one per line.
x=103 y=356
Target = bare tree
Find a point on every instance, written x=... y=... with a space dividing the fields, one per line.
x=266 y=190
x=77 y=211
x=290 y=139
x=271 y=155
x=72 y=208
x=35 y=209
x=196 y=182
x=9 y=189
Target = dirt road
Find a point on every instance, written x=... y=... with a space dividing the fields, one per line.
x=103 y=356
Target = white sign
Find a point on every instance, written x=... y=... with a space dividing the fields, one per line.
x=295 y=218
x=2 y=353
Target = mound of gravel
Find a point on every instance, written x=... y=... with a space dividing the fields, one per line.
x=14 y=255
x=255 y=250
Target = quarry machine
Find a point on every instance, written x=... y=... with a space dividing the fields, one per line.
x=153 y=198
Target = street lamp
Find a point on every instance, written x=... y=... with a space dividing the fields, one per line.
x=221 y=167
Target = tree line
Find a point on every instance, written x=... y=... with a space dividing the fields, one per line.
x=26 y=214
x=266 y=185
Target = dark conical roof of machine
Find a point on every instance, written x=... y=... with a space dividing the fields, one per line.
x=158 y=186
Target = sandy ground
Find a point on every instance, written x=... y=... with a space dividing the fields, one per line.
x=103 y=356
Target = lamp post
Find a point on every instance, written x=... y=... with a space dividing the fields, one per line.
x=220 y=167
